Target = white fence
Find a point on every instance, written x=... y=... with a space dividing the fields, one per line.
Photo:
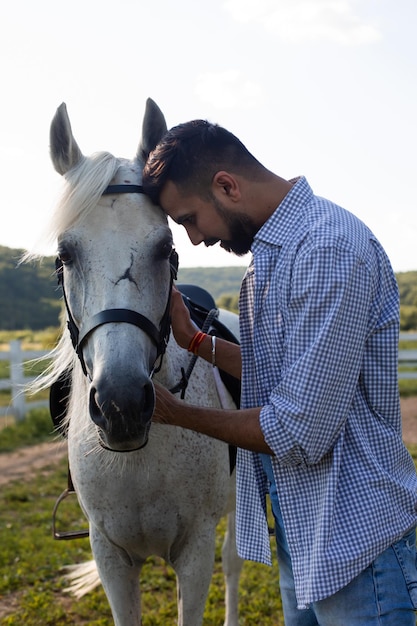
x=19 y=405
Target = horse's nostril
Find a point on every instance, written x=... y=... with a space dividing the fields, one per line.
x=149 y=400
x=96 y=414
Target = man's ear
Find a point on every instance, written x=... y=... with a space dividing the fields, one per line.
x=226 y=185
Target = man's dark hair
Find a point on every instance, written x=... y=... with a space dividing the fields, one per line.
x=189 y=155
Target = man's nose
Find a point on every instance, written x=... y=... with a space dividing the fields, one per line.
x=195 y=236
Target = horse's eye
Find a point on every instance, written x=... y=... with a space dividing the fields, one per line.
x=64 y=256
x=166 y=249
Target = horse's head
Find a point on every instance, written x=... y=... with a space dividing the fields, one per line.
x=115 y=257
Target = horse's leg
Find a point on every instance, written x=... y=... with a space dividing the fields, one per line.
x=194 y=566
x=120 y=581
x=232 y=567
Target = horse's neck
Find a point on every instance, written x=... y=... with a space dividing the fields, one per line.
x=204 y=386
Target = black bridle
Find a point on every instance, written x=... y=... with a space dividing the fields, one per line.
x=159 y=336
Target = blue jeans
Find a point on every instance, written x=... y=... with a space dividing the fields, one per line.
x=384 y=594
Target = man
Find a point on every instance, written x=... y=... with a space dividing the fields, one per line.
x=320 y=423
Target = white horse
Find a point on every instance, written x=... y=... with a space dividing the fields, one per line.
x=145 y=489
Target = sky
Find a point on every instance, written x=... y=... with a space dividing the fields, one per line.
x=321 y=88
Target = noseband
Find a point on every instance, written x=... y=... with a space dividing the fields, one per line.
x=159 y=336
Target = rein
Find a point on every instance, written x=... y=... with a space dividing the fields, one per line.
x=182 y=385
x=159 y=336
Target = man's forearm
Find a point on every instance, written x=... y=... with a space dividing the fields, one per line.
x=237 y=427
x=227 y=355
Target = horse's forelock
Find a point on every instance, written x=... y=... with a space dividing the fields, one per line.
x=84 y=186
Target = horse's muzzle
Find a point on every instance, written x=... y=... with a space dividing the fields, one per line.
x=122 y=416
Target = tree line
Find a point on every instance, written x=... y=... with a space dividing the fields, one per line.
x=31 y=299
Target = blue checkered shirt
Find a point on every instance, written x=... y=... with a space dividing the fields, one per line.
x=319 y=316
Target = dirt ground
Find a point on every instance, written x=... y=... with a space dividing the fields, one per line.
x=24 y=462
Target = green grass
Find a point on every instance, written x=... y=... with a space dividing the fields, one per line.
x=413 y=451
x=35 y=428
x=407 y=387
x=30 y=559
x=30 y=562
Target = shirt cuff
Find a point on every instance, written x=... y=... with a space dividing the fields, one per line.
x=281 y=442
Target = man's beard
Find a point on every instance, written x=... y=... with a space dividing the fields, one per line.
x=242 y=230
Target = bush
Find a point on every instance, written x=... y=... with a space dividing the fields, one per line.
x=408 y=317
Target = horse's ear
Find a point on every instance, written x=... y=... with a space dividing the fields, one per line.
x=65 y=153
x=153 y=129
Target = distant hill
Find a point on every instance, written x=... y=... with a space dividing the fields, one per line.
x=30 y=298
x=219 y=281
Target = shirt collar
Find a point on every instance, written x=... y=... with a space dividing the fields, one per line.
x=281 y=223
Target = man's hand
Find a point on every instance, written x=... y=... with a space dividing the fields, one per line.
x=183 y=327
x=164 y=405
x=240 y=428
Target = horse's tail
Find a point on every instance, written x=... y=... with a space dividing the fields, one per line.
x=82 y=578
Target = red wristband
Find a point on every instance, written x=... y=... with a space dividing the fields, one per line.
x=195 y=342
